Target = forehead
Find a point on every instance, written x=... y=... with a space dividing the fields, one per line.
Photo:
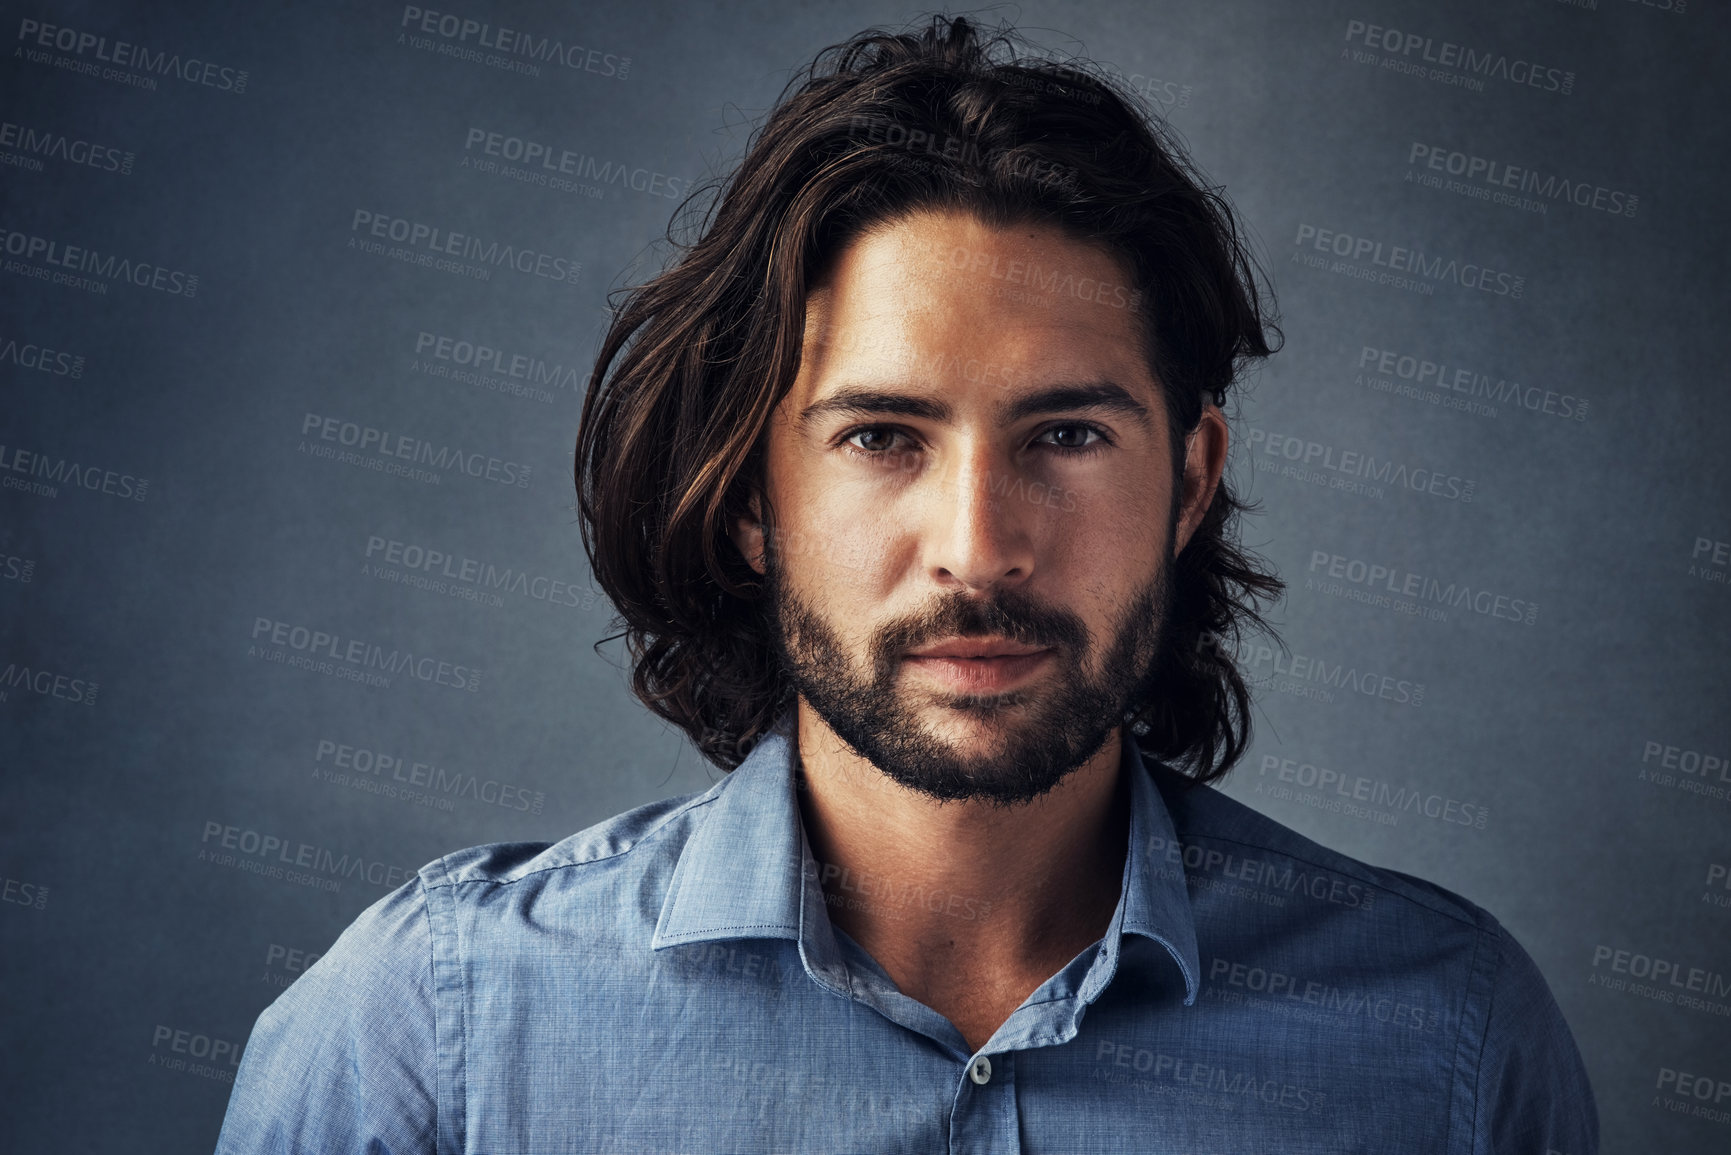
x=943 y=299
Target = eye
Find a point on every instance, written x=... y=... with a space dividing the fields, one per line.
x=874 y=440
x=1074 y=437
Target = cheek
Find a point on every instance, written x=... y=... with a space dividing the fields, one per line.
x=1104 y=552
x=1118 y=524
x=838 y=552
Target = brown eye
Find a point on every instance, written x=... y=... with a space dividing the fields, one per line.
x=1072 y=436
x=874 y=440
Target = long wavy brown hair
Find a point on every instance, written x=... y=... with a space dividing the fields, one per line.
x=670 y=444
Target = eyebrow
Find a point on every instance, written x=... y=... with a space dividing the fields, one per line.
x=865 y=402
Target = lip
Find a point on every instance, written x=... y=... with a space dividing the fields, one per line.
x=977 y=648
x=979 y=666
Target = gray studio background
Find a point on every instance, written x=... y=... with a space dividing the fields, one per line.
x=1491 y=461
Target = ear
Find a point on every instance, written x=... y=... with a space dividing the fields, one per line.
x=1204 y=460
x=747 y=535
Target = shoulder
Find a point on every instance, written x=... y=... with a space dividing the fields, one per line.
x=380 y=998
x=653 y=831
x=388 y=945
x=366 y=1005
x=1260 y=888
x=1218 y=833
x=1532 y=1087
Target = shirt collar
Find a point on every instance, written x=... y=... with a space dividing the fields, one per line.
x=748 y=872
x=1154 y=902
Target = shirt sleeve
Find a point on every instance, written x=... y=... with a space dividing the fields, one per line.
x=345 y=1058
x=1533 y=1093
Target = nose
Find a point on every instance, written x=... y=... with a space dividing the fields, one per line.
x=978 y=528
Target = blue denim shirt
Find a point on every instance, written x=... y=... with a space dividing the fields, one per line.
x=670 y=981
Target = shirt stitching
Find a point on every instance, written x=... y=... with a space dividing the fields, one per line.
x=1484 y=1039
x=458 y=1063
x=634 y=844
x=438 y=1027
x=746 y=926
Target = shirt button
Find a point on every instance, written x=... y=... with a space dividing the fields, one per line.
x=981 y=1071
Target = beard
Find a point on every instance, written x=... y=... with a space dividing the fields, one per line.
x=1044 y=732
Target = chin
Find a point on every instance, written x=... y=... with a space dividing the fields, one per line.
x=971 y=723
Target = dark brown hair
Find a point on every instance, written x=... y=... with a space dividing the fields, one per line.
x=669 y=448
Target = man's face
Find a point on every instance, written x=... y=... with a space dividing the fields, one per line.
x=973 y=506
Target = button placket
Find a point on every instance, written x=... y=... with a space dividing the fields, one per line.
x=984 y=1116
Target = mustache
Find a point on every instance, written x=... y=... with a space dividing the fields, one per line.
x=1008 y=614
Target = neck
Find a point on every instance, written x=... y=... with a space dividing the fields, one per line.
x=947 y=893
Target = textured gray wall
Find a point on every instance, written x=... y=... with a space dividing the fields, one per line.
x=1532 y=411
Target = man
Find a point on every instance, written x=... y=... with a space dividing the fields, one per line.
x=906 y=480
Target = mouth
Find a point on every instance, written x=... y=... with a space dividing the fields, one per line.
x=978 y=648
x=979 y=665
